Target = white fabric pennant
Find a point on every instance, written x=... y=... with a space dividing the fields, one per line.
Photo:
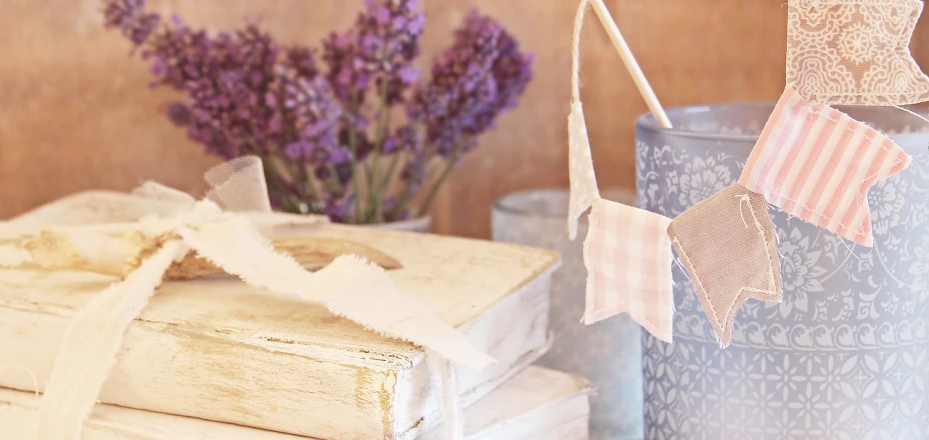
x=580 y=163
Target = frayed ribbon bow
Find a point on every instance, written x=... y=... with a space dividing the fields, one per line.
x=225 y=229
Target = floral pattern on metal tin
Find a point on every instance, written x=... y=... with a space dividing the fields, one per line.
x=845 y=355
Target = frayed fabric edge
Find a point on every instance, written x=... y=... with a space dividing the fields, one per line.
x=89 y=347
x=349 y=287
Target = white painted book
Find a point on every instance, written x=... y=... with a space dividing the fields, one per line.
x=537 y=404
x=217 y=349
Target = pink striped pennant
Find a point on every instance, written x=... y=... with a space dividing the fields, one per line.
x=627 y=253
x=816 y=163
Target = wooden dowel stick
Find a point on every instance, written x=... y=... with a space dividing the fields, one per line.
x=629 y=60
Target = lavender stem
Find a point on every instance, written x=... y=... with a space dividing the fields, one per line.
x=353 y=146
x=407 y=194
x=427 y=205
x=379 y=142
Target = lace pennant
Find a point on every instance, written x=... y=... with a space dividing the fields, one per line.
x=628 y=257
x=727 y=245
x=854 y=52
x=816 y=163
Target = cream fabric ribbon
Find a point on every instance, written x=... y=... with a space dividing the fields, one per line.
x=218 y=229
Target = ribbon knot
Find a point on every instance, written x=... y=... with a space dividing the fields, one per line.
x=200 y=214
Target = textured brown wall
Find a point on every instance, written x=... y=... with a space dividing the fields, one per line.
x=75 y=112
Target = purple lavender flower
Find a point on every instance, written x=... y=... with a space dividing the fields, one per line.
x=348 y=79
x=474 y=81
x=343 y=170
x=462 y=86
x=178 y=113
x=390 y=204
x=301 y=61
x=227 y=80
x=380 y=47
x=413 y=171
x=130 y=18
x=338 y=210
x=511 y=70
x=179 y=55
x=388 y=38
x=317 y=111
x=410 y=138
x=390 y=145
x=246 y=94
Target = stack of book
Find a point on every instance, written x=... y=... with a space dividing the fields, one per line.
x=217 y=359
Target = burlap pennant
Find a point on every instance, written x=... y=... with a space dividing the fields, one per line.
x=727 y=244
x=627 y=253
x=854 y=52
x=816 y=163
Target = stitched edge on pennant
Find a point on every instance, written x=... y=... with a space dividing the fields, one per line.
x=867 y=182
x=725 y=333
x=698 y=286
x=772 y=262
x=592 y=316
x=864 y=231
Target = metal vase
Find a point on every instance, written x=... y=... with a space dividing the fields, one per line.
x=846 y=354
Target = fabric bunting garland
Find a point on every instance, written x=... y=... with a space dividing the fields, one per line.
x=627 y=251
x=811 y=161
x=816 y=163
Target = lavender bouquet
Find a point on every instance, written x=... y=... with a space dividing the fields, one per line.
x=349 y=131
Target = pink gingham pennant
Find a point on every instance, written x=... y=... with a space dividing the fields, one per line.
x=816 y=163
x=854 y=52
x=627 y=253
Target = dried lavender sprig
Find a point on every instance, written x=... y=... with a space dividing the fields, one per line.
x=236 y=105
x=130 y=18
x=474 y=81
x=382 y=46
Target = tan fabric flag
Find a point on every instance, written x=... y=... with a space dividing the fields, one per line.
x=854 y=52
x=727 y=244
